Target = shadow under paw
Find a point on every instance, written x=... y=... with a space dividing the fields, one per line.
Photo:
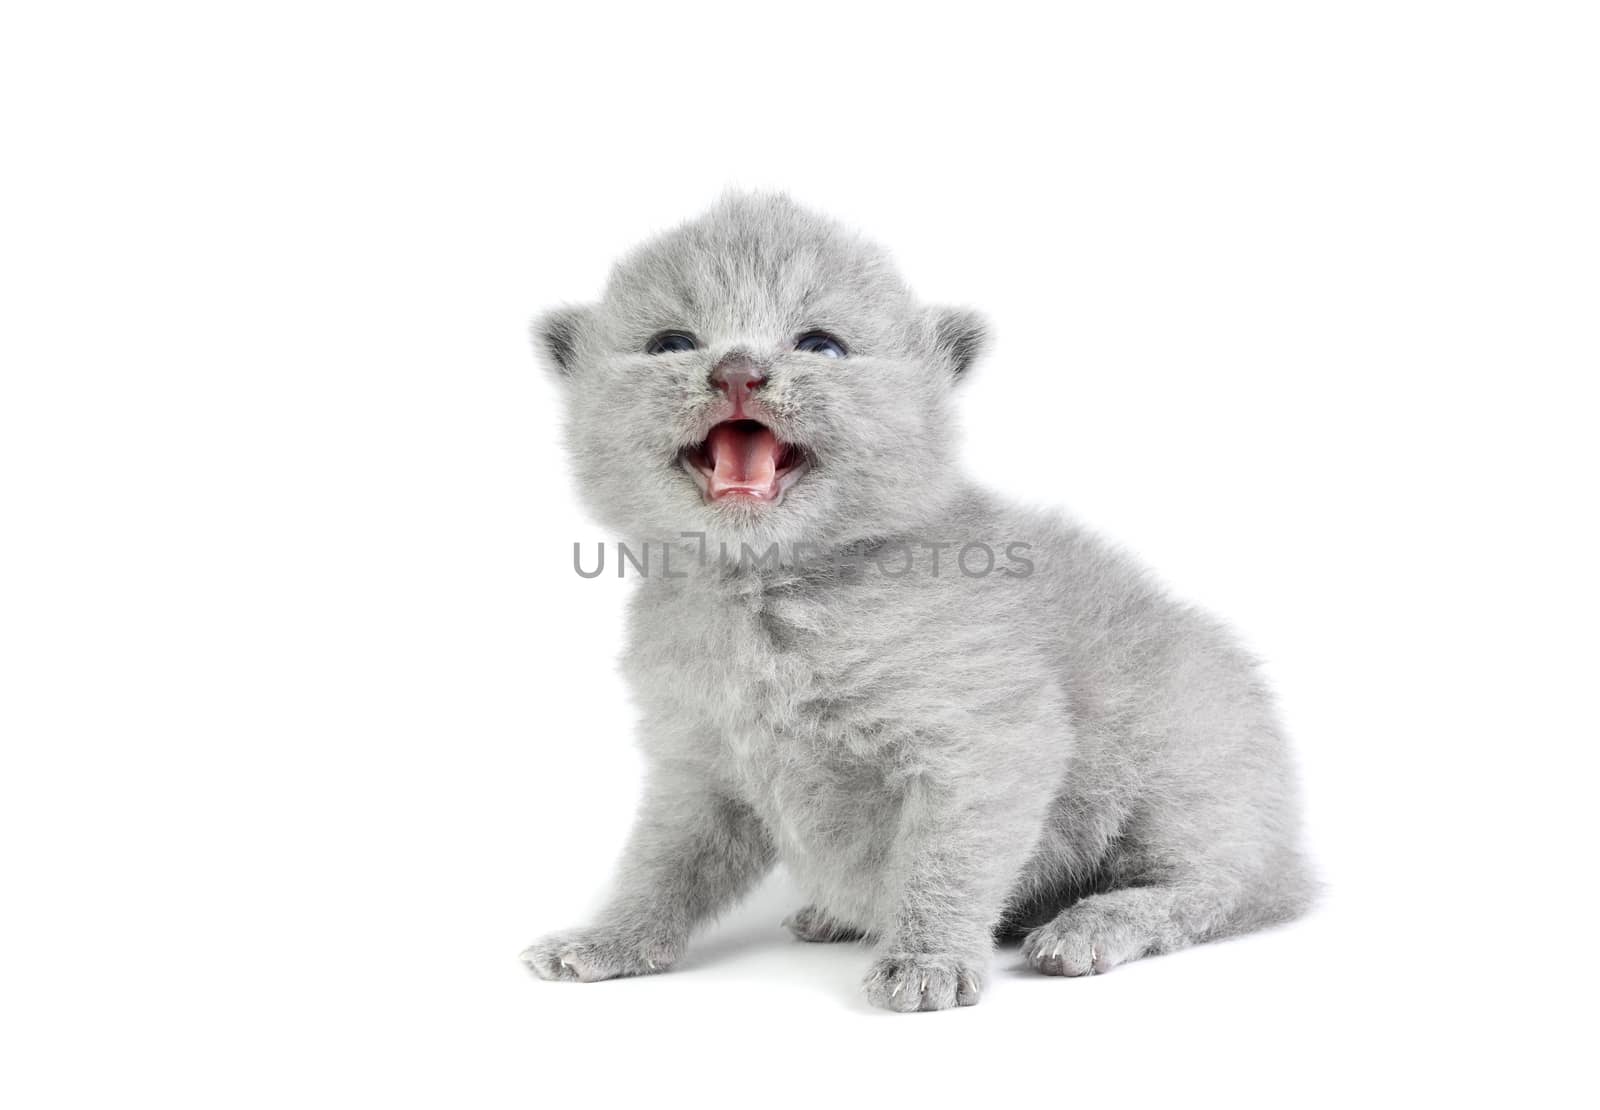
x=813 y=925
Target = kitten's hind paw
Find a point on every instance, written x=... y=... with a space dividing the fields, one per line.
x=590 y=955
x=811 y=924
x=922 y=982
x=1096 y=934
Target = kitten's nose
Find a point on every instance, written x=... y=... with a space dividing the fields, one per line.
x=738 y=376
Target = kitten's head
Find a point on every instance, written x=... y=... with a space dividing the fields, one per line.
x=763 y=376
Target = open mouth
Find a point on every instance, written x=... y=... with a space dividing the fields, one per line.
x=744 y=460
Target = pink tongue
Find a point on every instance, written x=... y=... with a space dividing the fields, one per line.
x=743 y=456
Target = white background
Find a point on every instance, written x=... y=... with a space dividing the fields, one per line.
x=309 y=727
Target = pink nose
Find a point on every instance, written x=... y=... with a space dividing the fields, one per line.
x=738 y=377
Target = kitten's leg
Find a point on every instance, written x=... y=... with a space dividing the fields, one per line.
x=691 y=854
x=810 y=923
x=959 y=851
x=1103 y=930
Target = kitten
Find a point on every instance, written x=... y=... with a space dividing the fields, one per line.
x=943 y=747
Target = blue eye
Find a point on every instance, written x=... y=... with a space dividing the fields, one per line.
x=820 y=343
x=671 y=343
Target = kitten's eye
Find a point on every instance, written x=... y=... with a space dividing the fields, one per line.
x=671 y=343
x=820 y=343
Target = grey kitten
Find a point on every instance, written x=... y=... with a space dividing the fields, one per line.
x=943 y=749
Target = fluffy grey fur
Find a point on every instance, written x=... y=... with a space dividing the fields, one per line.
x=1070 y=756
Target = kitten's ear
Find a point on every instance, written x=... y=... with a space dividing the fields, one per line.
x=959 y=336
x=557 y=336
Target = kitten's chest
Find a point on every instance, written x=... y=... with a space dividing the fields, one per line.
x=745 y=661
x=775 y=678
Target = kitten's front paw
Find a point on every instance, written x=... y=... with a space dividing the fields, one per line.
x=922 y=982
x=589 y=955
